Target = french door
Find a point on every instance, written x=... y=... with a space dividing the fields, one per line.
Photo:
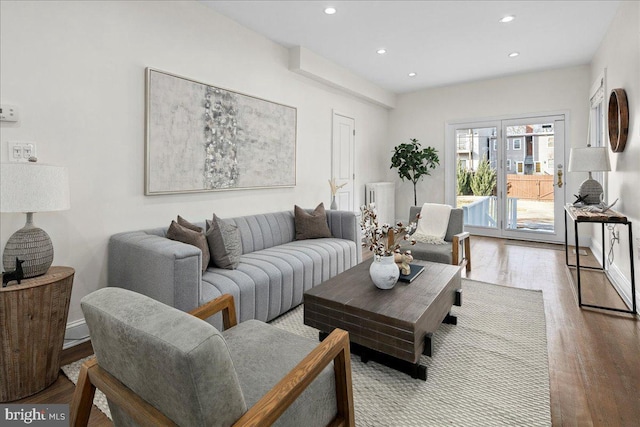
x=505 y=175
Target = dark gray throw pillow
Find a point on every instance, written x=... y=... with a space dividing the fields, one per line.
x=183 y=234
x=183 y=222
x=311 y=225
x=224 y=243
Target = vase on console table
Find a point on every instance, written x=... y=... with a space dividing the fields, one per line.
x=384 y=272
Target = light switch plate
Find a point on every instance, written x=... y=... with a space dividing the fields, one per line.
x=20 y=151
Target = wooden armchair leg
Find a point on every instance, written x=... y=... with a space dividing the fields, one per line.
x=467 y=252
x=83 y=396
x=458 y=239
x=344 y=387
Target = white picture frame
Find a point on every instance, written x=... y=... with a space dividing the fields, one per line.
x=200 y=138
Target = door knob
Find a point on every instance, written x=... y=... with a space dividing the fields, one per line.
x=559 y=183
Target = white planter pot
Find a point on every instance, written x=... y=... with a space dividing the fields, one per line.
x=384 y=272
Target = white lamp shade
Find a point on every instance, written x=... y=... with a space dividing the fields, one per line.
x=33 y=187
x=589 y=159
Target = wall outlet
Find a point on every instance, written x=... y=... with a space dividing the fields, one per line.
x=21 y=151
x=9 y=113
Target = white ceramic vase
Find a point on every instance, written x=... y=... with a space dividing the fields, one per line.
x=384 y=272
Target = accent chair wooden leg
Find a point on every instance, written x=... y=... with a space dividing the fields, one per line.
x=83 y=396
x=455 y=251
x=467 y=252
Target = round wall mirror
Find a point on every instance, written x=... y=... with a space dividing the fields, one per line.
x=618 y=120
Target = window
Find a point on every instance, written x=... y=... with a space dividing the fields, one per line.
x=517 y=144
x=520 y=167
x=508 y=164
x=538 y=167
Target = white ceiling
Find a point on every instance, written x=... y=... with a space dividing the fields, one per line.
x=444 y=42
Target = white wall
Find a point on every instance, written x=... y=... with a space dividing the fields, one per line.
x=619 y=53
x=76 y=70
x=424 y=115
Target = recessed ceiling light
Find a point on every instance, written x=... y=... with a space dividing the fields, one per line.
x=514 y=54
x=412 y=74
x=507 y=18
x=381 y=51
x=330 y=10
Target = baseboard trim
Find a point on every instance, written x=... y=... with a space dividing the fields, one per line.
x=76 y=333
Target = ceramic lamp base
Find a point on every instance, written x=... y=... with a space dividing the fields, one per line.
x=31 y=244
x=590 y=191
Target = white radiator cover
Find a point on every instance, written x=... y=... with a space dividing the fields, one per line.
x=382 y=194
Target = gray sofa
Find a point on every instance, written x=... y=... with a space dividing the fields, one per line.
x=274 y=270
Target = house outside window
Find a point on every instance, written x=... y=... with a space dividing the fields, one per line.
x=508 y=164
x=517 y=143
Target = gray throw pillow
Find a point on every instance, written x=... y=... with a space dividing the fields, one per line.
x=311 y=225
x=192 y=237
x=224 y=243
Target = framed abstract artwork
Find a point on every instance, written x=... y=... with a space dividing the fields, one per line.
x=200 y=137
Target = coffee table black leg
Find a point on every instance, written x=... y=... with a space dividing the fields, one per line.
x=420 y=372
x=428 y=344
x=458 y=298
x=450 y=319
x=416 y=370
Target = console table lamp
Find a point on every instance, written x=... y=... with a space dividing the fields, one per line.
x=28 y=188
x=589 y=159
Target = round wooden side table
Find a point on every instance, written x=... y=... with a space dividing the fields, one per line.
x=33 y=319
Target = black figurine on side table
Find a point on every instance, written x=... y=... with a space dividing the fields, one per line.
x=17 y=274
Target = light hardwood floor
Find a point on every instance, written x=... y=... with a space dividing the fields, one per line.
x=594 y=356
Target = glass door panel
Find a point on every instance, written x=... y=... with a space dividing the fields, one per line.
x=476 y=175
x=533 y=202
x=505 y=177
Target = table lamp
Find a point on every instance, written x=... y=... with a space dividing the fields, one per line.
x=28 y=188
x=589 y=159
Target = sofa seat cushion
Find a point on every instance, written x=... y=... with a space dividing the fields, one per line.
x=252 y=345
x=266 y=283
x=431 y=252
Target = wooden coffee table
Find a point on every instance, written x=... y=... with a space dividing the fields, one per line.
x=394 y=326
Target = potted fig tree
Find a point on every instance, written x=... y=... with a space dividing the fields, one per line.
x=414 y=162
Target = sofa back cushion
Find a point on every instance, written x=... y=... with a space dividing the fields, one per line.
x=264 y=231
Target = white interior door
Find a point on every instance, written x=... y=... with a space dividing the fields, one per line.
x=343 y=160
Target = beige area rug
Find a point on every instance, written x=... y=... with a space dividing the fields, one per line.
x=491 y=369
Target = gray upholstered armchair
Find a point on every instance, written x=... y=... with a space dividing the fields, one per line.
x=457 y=251
x=161 y=366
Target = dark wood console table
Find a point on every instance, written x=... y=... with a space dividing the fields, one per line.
x=578 y=216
